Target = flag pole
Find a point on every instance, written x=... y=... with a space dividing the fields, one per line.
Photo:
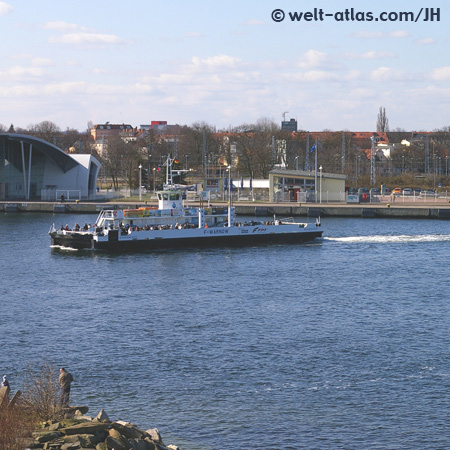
x=315 y=169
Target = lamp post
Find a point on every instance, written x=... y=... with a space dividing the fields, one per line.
x=296 y=163
x=140 y=182
x=320 y=185
x=154 y=179
x=229 y=196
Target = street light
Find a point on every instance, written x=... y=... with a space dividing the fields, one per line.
x=320 y=185
x=229 y=196
x=296 y=163
x=140 y=182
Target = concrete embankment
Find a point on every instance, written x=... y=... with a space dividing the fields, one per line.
x=434 y=210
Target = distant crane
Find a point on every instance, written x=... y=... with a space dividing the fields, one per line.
x=284 y=115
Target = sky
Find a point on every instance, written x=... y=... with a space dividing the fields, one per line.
x=225 y=63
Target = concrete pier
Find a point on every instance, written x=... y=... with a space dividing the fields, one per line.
x=438 y=209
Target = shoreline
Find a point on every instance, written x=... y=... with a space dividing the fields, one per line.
x=435 y=209
x=77 y=430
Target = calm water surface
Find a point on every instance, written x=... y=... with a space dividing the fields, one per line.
x=338 y=344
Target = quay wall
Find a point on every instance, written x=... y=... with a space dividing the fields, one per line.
x=432 y=211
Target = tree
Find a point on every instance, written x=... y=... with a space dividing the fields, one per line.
x=46 y=130
x=382 y=120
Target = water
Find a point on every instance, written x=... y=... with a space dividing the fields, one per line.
x=338 y=344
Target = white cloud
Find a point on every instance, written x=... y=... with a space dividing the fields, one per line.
x=370 y=55
x=380 y=35
x=99 y=71
x=193 y=34
x=215 y=61
x=441 y=73
x=313 y=59
x=41 y=62
x=63 y=26
x=425 y=41
x=311 y=76
x=253 y=22
x=86 y=38
x=388 y=74
x=5 y=8
x=18 y=72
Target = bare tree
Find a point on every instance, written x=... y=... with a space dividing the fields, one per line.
x=382 y=120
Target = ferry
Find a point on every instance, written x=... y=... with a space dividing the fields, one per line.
x=175 y=225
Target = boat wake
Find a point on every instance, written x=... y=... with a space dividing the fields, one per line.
x=389 y=239
x=61 y=247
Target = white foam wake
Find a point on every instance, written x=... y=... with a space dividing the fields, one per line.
x=389 y=239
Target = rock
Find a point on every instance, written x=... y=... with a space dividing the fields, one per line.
x=112 y=443
x=71 y=446
x=86 y=440
x=102 y=416
x=138 y=444
x=55 y=426
x=45 y=436
x=114 y=433
x=129 y=431
x=173 y=447
x=101 y=446
x=87 y=428
x=154 y=434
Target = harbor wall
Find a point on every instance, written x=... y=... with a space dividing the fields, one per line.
x=434 y=211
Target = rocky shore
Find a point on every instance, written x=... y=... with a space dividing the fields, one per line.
x=80 y=431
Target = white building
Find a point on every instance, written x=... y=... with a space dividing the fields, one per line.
x=34 y=169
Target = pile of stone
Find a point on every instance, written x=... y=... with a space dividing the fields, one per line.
x=83 y=432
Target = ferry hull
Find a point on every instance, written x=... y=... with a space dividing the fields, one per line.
x=139 y=245
x=77 y=241
x=143 y=241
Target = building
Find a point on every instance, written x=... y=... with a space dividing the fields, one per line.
x=107 y=130
x=34 y=169
x=300 y=186
x=290 y=125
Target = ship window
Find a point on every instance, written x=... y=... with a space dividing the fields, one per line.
x=166 y=196
x=174 y=196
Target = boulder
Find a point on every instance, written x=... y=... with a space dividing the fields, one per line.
x=43 y=437
x=87 y=428
x=154 y=434
x=138 y=444
x=86 y=440
x=71 y=446
x=101 y=416
x=112 y=443
x=129 y=431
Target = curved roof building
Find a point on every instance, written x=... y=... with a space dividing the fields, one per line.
x=34 y=169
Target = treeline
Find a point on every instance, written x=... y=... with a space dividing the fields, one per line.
x=253 y=149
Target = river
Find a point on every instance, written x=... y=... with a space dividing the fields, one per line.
x=342 y=343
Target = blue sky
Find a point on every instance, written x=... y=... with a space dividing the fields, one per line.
x=224 y=63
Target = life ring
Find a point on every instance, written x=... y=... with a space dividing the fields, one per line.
x=115 y=213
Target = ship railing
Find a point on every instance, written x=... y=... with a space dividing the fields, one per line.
x=287 y=220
